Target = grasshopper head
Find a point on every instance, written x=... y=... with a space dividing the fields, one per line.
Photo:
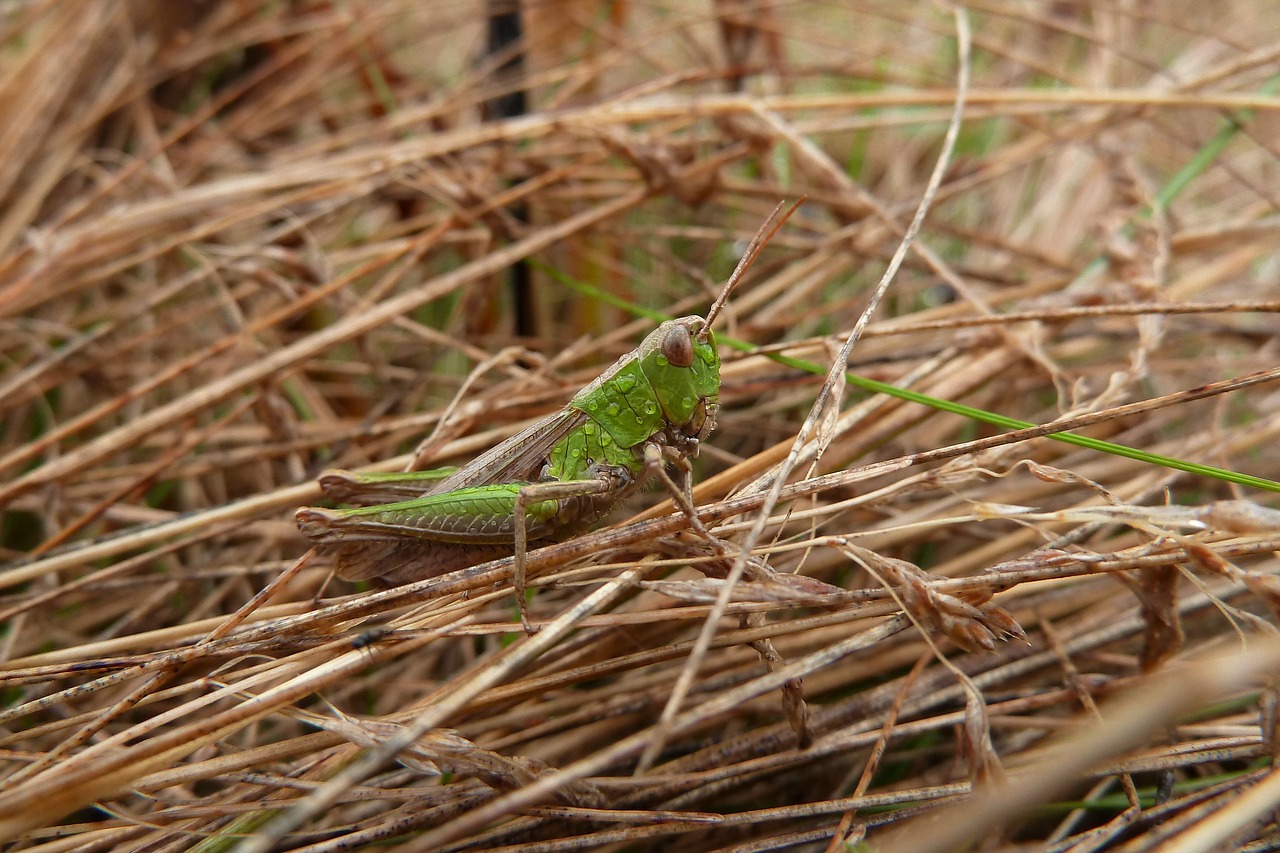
x=681 y=362
x=669 y=386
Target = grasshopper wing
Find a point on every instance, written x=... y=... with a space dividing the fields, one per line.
x=519 y=459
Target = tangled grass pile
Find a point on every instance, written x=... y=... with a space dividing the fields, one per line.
x=1016 y=586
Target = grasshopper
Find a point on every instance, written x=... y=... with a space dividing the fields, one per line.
x=652 y=408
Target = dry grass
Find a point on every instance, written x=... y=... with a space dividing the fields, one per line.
x=243 y=242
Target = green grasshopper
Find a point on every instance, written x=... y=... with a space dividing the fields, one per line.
x=652 y=408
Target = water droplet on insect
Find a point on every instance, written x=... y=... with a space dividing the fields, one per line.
x=589 y=428
x=605 y=439
x=613 y=409
x=686 y=402
x=649 y=407
x=662 y=361
x=625 y=382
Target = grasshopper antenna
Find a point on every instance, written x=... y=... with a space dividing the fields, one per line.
x=769 y=227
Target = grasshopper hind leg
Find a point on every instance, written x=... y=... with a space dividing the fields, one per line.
x=386 y=559
x=389 y=564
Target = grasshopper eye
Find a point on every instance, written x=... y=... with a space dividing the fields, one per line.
x=677 y=346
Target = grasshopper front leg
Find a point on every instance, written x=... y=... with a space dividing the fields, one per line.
x=575 y=498
x=655 y=460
